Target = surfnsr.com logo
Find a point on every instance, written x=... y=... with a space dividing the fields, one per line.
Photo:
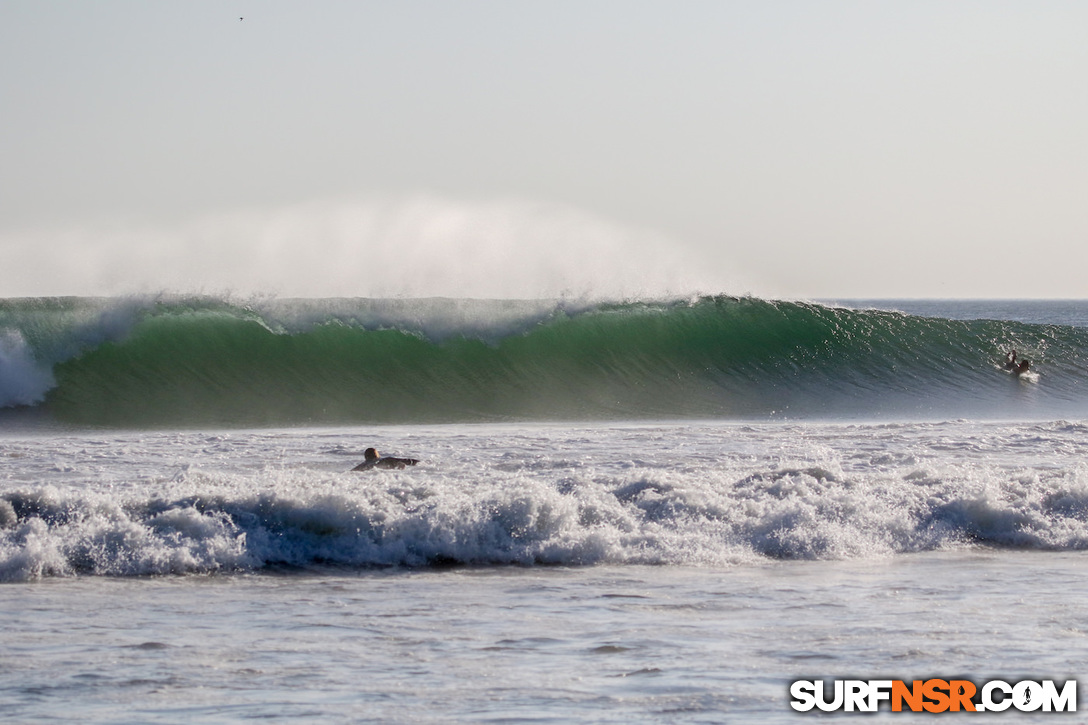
x=934 y=695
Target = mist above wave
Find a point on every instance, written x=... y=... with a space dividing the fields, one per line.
x=420 y=246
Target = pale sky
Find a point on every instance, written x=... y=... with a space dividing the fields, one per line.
x=517 y=149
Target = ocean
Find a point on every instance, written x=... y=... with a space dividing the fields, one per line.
x=626 y=512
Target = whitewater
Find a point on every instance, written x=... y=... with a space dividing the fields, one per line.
x=649 y=511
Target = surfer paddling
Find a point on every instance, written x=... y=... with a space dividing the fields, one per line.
x=373 y=460
x=1014 y=366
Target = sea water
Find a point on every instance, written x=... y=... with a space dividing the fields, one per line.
x=607 y=568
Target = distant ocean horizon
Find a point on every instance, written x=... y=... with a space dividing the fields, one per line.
x=634 y=512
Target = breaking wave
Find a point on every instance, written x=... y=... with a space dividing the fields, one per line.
x=207 y=361
x=216 y=522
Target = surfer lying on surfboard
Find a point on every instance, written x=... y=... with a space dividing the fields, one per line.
x=373 y=460
x=1018 y=368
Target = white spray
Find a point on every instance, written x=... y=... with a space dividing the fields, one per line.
x=416 y=247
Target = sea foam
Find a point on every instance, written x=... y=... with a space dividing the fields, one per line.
x=529 y=499
x=23 y=380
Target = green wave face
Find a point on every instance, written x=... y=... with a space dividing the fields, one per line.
x=215 y=363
